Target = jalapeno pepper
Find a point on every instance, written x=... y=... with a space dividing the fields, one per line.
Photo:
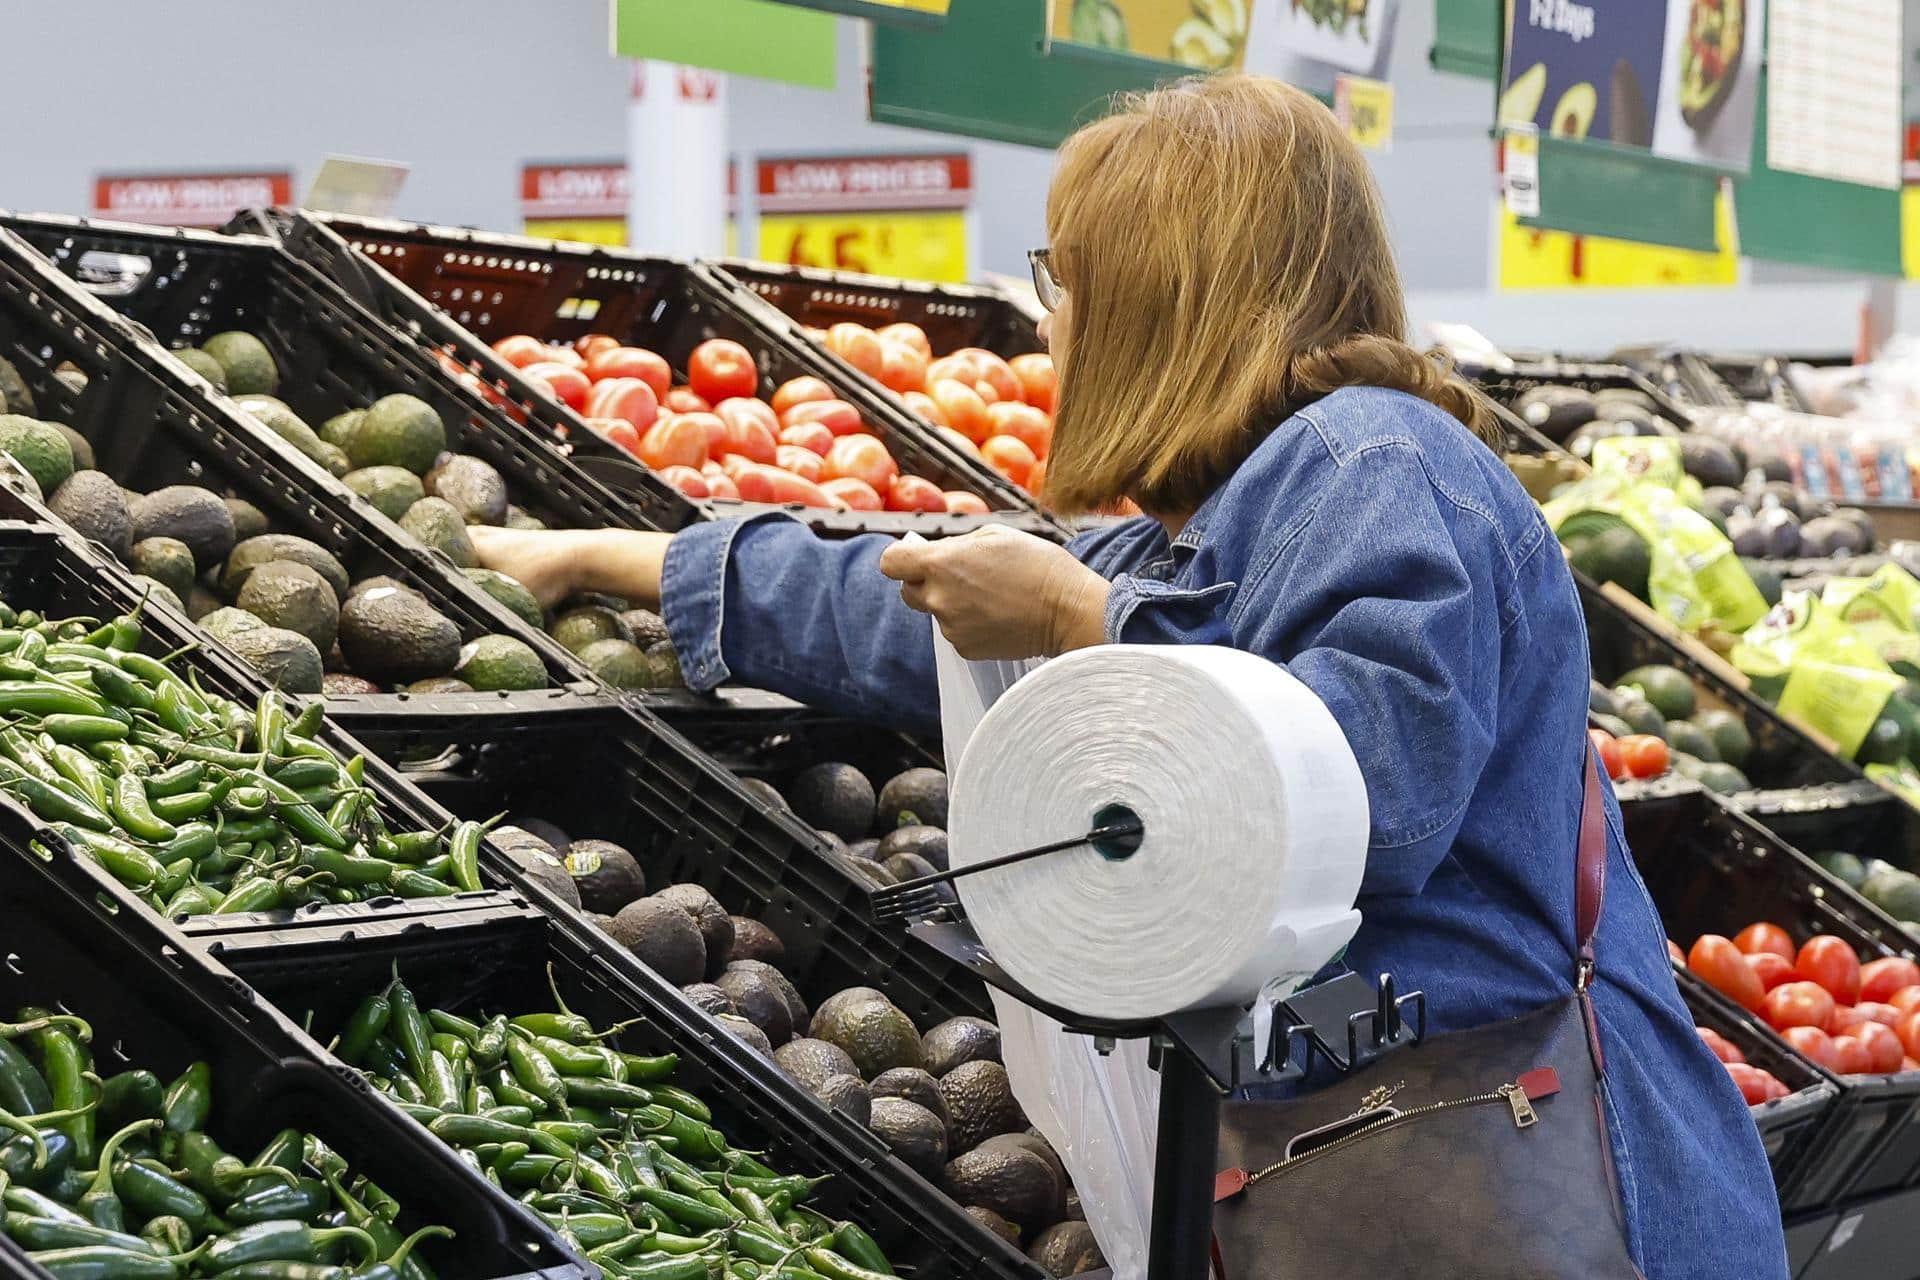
x=130 y=806
x=536 y=1074
x=297 y=815
x=122 y=689
x=104 y=1262
x=307 y=1198
x=52 y=803
x=368 y=1021
x=182 y=777
x=408 y=1026
x=19 y=697
x=23 y=1090
x=465 y=849
x=284 y=1241
x=409 y=883
x=131 y=1095
x=65 y=1065
x=152 y=1193
x=222 y=1177
x=78 y=768
x=129 y=864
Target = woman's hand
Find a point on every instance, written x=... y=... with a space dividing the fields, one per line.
x=555 y=564
x=999 y=593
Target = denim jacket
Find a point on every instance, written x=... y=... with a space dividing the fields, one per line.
x=1395 y=566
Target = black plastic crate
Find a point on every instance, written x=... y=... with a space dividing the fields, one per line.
x=457 y=290
x=156 y=1005
x=1861 y=818
x=1505 y=385
x=497 y=965
x=152 y=424
x=1710 y=869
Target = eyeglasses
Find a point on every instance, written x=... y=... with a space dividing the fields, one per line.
x=1045 y=283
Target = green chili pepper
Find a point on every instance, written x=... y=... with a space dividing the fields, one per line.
x=51 y=803
x=689 y=1210
x=36 y=1204
x=129 y=864
x=536 y=1074
x=438 y=1082
x=368 y=1021
x=131 y=1095
x=680 y=1100
x=307 y=771
x=104 y=1262
x=194 y=899
x=151 y=1193
x=222 y=1177
x=287 y=1269
x=286 y=1241
x=122 y=689
x=184 y=808
x=262 y=893
x=305 y=1200
x=130 y=806
x=454 y=1025
x=465 y=849
x=349 y=868
x=23 y=1090
x=530 y=1170
x=605 y=1093
x=185 y=776
x=408 y=1026
x=65 y=1066
x=570 y=1027
x=78 y=768
x=299 y=816
x=86 y=729
x=645 y=1070
x=411 y=846
x=170 y=1234
x=408 y=883
x=509 y=1091
x=32 y=1232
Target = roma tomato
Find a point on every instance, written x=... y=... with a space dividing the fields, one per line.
x=958 y=441
x=1906 y=999
x=804 y=463
x=1831 y=962
x=1039 y=384
x=631 y=399
x=684 y=400
x=911 y=493
x=1024 y=423
x=902 y=368
x=1764 y=936
x=631 y=362
x=564 y=382
x=1850 y=1056
x=988 y=394
x=752 y=430
x=1752 y=1082
x=1723 y=1048
x=855 y=495
x=1883 y=1046
x=1719 y=964
x=1010 y=457
x=909 y=335
x=754 y=481
x=1773 y=969
x=1644 y=755
x=965 y=504
x=1874 y=1011
x=958 y=366
x=568 y=356
x=798 y=391
x=863 y=457
x=1797 y=1004
x=812 y=436
x=923 y=404
x=1608 y=750
x=720 y=485
x=858 y=345
x=1037 y=478
x=836 y=416
x=720 y=369
x=589 y=343
x=686 y=480
x=1908 y=1030
x=1845 y=1018
x=788 y=487
x=993 y=371
x=618 y=430
x=1812 y=1044
x=1879 y=979
x=675 y=442
x=521 y=350
x=961 y=406
x=712 y=429
x=1674 y=953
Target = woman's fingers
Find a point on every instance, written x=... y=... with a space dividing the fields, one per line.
x=914 y=594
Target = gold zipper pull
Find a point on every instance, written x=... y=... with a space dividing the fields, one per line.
x=1523 y=1112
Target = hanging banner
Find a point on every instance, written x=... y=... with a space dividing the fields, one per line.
x=766 y=39
x=1677 y=77
x=902 y=11
x=587 y=201
x=1534 y=258
x=894 y=215
x=1206 y=35
x=188 y=199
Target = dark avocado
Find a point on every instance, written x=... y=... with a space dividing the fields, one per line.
x=835 y=797
x=188 y=514
x=396 y=637
x=915 y=1134
x=961 y=1040
x=471 y=487
x=716 y=926
x=924 y=842
x=268 y=547
x=811 y=1063
x=848 y=1095
x=90 y=501
x=1014 y=1183
x=753 y=940
x=607 y=875
x=980 y=1103
x=917 y=797
x=664 y=937
x=708 y=998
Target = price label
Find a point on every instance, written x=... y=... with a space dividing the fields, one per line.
x=1521 y=170
x=914 y=245
x=1365 y=110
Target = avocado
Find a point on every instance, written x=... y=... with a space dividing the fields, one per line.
x=608 y=876
x=926 y=843
x=716 y=926
x=398 y=431
x=1709 y=461
x=868 y=849
x=1638 y=712
x=837 y=1003
x=645 y=627
x=1600 y=699
x=334 y=460
x=869 y=871
x=14 y=395
x=752 y=940
x=1068 y=1248
x=248 y=520
x=248 y=364
x=664 y=938
x=917 y=797
x=268 y=547
x=1731 y=741
x=439 y=526
x=618 y=663
x=377 y=582
x=915 y=1134
x=849 y=1096
x=504 y=590
x=286 y=594
x=90 y=502
x=1887 y=740
x=155 y=589
x=1614 y=725
x=187 y=513
x=1614 y=554
x=958 y=1041
x=544 y=870
x=287 y=660
x=39 y=448
x=911 y=866
x=876 y=1035
x=1554 y=411
x=995 y=1223
x=201 y=601
x=759 y=1001
x=1684 y=735
x=1011 y=1181
x=472 y=487
x=811 y=1063
x=835 y=797
x=391 y=491
x=764 y=790
x=1721 y=778
x=540 y=829
x=439 y=684
x=223 y=622
x=276 y=417
x=339 y=683
x=81 y=446
x=980 y=1103
x=204 y=365
x=396 y=637
x=708 y=998
x=580 y=626
x=1844 y=867
x=1894 y=891
x=748 y=1034
x=1667 y=688
x=1032 y=1141
x=663 y=665
x=915 y=1086
x=495 y=663
x=796 y=1005
x=339 y=429
x=518 y=519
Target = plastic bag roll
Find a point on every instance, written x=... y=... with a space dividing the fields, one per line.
x=1255 y=829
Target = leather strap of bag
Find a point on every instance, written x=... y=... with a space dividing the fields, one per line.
x=1590 y=869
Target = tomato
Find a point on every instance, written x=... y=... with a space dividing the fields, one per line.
x=804 y=463
x=712 y=428
x=721 y=486
x=855 y=495
x=628 y=398
x=618 y=430
x=863 y=457
x=1812 y=1044
x=965 y=504
x=1908 y=1029
x=1797 y=1004
x=1883 y=1046
x=902 y=368
x=675 y=442
x=1719 y=964
x=588 y=344
x=753 y=480
x=1831 y=962
x=1674 y=953
x=1644 y=755
x=683 y=400
x=962 y=407
x=858 y=345
x=1756 y=938
x=1037 y=478
x=720 y=369
x=958 y=441
x=1850 y=1056
x=521 y=350
x=988 y=393
x=1906 y=999
x=836 y=416
x=1723 y=1048
x=1845 y=1018
x=923 y=404
x=1910 y=1063
x=1010 y=457
x=751 y=428
x=631 y=362
x=686 y=480
x=808 y=435
x=566 y=384
x=1752 y=1082
x=567 y=356
x=907 y=335
x=993 y=371
x=788 y=487
x=911 y=493
x=960 y=367
x=1039 y=384
x=1773 y=969
x=798 y=391
x=1879 y=979
x=1874 y=1011
x=1024 y=423
x=1608 y=750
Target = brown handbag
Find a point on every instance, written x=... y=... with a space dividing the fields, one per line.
x=1478 y=1153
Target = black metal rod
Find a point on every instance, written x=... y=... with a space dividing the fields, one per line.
x=1113 y=831
x=1186 y=1151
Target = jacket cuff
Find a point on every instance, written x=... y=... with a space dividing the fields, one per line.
x=693 y=591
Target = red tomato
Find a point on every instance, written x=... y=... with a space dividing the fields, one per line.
x=1797 y=1004
x=808 y=435
x=1812 y=1044
x=1039 y=384
x=994 y=371
x=962 y=407
x=863 y=457
x=909 y=335
x=1850 y=1056
x=588 y=344
x=1756 y=938
x=683 y=400
x=1910 y=1063
x=1644 y=755
x=1906 y=999
x=1908 y=1029
x=966 y=504
x=1845 y=1018
x=1874 y=1011
x=855 y=495
x=1010 y=457
x=630 y=399
x=631 y=362
x=618 y=430
x=712 y=429
x=720 y=369
x=804 y=463
x=1024 y=423
x=675 y=442
x=958 y=441
x=1883 y=1046
x=836 y=416
x=1674 y=953
x=566 y=384
x=1719 y=964
x=901 y=367
x=567 y=356
x=1608 y=750
x=1879 y=979
x=1723 y=1048
x=989 y=395
x=1037 y=478
x=686 y=480
x=752 y=429
x=721 y=486
x=753 y=480
x=788 y=487
x=521 y=350
x=923 y=404
x=858 y=345
x=1773 y=969
x=960 y=367
x=798 y=391
x=911 y=493
x=1831 y=962
x=1752 y=1082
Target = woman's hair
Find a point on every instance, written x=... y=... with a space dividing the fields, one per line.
x=1225 y=258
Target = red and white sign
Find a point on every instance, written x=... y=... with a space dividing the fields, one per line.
x=188 y=199
x=573 y=190
x=840 y=184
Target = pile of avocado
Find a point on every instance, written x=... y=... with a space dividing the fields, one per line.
x=1893 y=890
x=1711 y=745
x=625 y=647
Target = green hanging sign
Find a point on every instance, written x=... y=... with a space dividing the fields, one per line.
x=760 y=38
x=1467 y=37
x=913 y=12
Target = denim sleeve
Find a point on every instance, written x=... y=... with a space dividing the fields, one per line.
x=1370 y=600
x=764 y=602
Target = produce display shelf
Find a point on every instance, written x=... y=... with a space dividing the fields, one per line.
x=152 y=422
x=1506 y=384
x=489 y=963
x=1862 y=818
x=158 y=1005
x=454 y=291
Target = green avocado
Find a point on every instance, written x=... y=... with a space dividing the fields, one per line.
x=389 y=490
x=187 y=513
x=204 y=365
x=1684 y=735
x=504 y=590
x=434 y=522
x=1728 y=729
x=39 y=447
x=166 y=560
x=268 y=547
x=398 y=431
x=287 y=660
x=90 y=501
x=618 y=663
x=248 y=364
x=293 y=596
x=494 y=663
x=581 y=625
x=1667 y=688
x=395 y=637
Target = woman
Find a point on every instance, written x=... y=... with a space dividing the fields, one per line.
x=1227 y=326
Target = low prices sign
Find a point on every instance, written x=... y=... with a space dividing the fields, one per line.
x=890 y=215
x=586 y=201
x=188 y=199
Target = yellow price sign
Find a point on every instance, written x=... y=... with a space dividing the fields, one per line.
x=914 y=245
x=1533 y=258
x=1910 y=232
x=610 y=231
x=1365 y=109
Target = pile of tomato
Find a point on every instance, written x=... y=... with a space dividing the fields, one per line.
x=1848 y=1017
x=713 y=436
x=1638 y=755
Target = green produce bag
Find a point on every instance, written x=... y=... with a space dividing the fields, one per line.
x=1881 y=609
x=1901 y=778
x=1834 y=680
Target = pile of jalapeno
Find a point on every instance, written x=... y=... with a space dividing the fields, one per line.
x=601 y=1145
x=199 y=804
x=118 y=1179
